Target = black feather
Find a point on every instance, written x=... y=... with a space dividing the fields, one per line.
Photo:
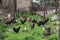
x=39 y=23
x=45 y=21
x=34 y=21
x=42 y=22
x=16 y=29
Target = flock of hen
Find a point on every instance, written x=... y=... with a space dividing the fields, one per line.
x=32 y=24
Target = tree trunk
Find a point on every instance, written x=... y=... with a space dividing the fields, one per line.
x=45 y=7
x=57 y=5
x=13 y=7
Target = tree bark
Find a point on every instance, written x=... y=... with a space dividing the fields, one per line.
x=57 y=5
x=45 y=7
x=14 y=9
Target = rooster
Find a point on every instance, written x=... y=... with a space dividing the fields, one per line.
x=31 y=23
x=23 y=20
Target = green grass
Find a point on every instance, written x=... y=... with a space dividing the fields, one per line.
x=35 y=34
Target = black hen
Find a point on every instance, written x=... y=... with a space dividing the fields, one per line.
x=34 y=21
x=39 y=23
x=45 y=21
x=23 y=20
x=42 y=22
x=16 y=29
